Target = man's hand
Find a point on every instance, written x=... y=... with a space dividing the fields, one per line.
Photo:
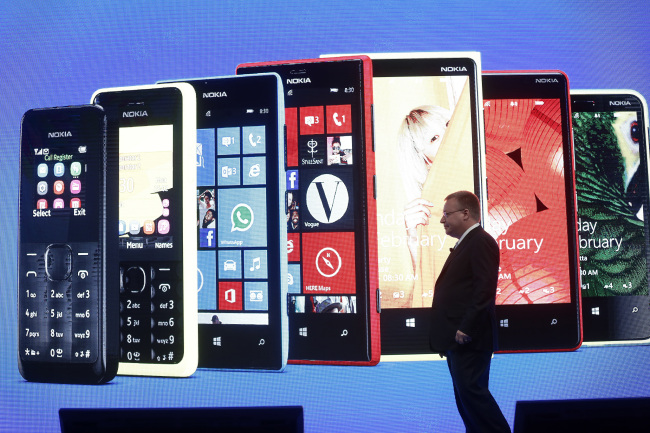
x=462 y=338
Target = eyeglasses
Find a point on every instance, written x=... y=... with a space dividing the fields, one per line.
x=446 y=214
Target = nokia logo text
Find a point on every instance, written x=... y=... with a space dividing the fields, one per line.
x=453 y=69
x=142 y=113
x=619 y=103
x=59 y=134
x=546 y=80
x=298 y=80
x=215 y=95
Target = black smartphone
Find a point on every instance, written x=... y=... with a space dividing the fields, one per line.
x=240 y=222
x=67 y=271
x=154 y=128
x=429 y=143
x=332 y=253
x=532 y=209
x=610 y=136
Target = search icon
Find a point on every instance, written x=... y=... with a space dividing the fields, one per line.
x=262 y=342
x=554 y=322
x=635 y=310
x=344 y=333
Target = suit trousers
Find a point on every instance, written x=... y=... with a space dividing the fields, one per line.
x=470 y=374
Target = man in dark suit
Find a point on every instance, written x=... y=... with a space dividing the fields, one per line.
x=463 y=323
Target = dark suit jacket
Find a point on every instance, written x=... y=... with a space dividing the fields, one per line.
x=464 y=295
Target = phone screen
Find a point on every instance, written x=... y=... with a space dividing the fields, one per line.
x=612 y=193
x=148 y=125
x=62 y=293
x=327 y=240
x=61 y=176
x=527 y=200
x=241 y=271
x=427 y=146
x=531 y=211
x=146 y=187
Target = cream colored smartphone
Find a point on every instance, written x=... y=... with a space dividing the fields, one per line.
x=155 y=129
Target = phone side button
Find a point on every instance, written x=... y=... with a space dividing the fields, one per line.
x=372 y=125
x=285 y=147
x=374 y=186
x=378 y=301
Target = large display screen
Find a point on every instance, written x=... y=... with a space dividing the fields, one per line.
x=59 y=53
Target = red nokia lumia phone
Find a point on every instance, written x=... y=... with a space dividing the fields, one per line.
x=532 y=209
x=330 y=207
